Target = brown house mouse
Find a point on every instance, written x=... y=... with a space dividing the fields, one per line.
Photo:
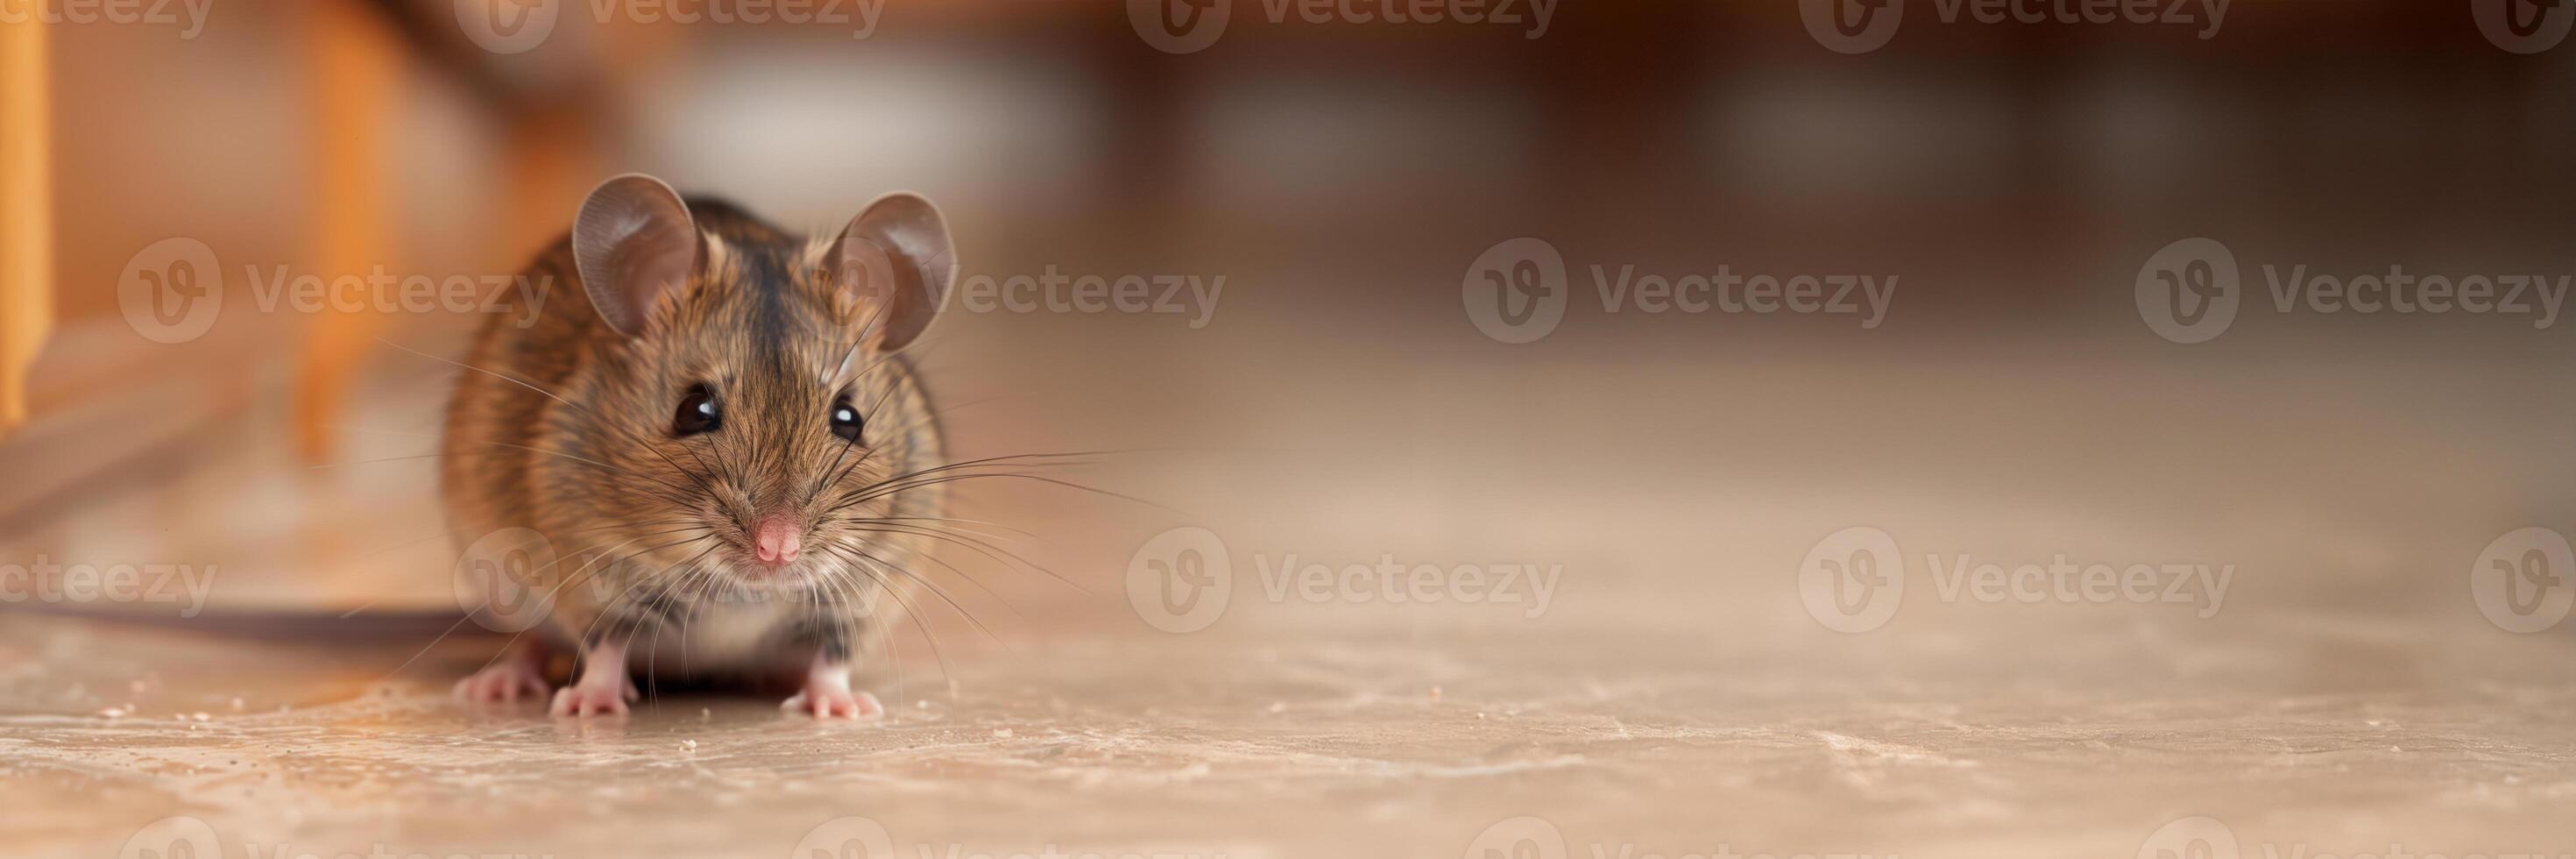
x=713 y=440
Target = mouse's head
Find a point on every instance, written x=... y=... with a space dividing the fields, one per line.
x=741 y=398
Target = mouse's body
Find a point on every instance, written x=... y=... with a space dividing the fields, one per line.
x=703 y=447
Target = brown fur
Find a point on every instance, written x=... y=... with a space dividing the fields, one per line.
x=649 y=533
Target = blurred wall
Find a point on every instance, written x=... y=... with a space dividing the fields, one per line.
x=1995 y=160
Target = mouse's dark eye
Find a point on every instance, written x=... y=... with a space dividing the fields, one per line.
x=698 y=413
x=846 y=422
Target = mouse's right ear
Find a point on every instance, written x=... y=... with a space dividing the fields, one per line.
x=634 y=244
x=897 y=257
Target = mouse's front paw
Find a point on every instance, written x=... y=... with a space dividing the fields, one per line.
x=502 y=682
x=828 y=702
x=591 y=699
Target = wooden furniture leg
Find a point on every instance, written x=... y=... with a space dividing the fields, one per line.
x=355 y=73
x=26 y=210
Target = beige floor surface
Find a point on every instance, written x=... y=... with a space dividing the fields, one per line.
x=1674 y=698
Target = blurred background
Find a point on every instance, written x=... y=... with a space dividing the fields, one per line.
x=1355 y=195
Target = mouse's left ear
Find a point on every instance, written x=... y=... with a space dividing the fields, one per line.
x=896 y=262
x=634 y=244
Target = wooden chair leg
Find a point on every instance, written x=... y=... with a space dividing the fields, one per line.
x=356 y=74
x=26 y=210
x=550 y=160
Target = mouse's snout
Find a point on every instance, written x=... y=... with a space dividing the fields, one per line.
x=778 y=540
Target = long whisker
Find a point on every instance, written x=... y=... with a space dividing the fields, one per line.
x=836 y=473
x=934 y=589
x=670 y=594
x=1023 y=458
x=833 y=382
x=621 y=472
x=953 y=478
x=979 y=584
x=998 y=554
x=920 y=621
x=611 y=559
x=603 y=420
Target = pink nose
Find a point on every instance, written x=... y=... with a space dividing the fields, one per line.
x=777 y=543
